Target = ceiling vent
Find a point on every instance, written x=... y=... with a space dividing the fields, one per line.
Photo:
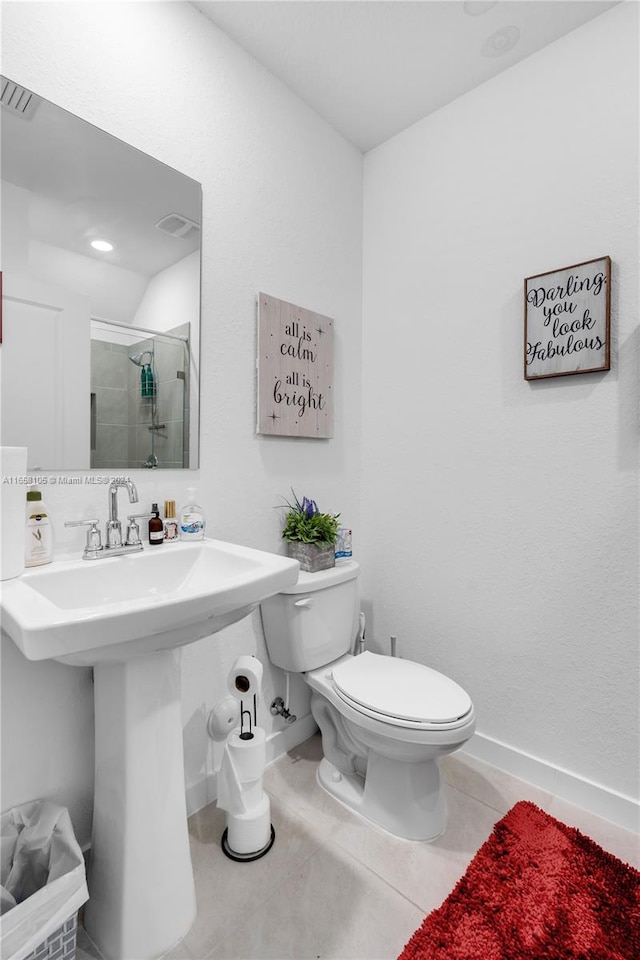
x=20 y=101
x=178 y=226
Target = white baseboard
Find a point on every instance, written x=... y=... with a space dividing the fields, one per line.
x=614 y=806
x=205 y=791
x=604 y=802
x=200 y=794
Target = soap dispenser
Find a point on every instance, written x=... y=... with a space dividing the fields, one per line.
x=192 y=520
x=39 y=543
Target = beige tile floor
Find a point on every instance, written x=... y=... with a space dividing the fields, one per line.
x=337 y=887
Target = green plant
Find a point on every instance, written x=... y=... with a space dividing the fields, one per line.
x=305 y=523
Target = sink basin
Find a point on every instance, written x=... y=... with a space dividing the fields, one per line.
x=125 y=615
x=84 y=612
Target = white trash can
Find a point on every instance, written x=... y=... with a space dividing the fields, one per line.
x=43 y=883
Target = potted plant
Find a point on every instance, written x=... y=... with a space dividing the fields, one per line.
x=310 y=535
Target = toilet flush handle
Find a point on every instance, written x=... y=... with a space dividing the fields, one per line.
x=305 y=602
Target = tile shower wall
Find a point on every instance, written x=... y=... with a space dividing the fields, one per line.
x=167 y=442
x=109 y=405
x=121 y=417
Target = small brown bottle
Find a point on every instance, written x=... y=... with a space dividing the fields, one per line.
x=156 y=527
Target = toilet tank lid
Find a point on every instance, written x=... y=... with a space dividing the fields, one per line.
x=309 y=582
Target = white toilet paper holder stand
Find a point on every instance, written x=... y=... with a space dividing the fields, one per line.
x=249 y=833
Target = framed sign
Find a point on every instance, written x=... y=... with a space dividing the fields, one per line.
x=295 y=370
x=567 y=320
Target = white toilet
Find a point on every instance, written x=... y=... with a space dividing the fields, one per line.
x=384 y=720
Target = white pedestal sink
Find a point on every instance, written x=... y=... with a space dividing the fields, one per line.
x=126 y=616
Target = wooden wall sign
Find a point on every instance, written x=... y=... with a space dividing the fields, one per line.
x=567 y=320
x=295 y=370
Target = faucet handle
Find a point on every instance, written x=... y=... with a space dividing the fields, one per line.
x=94 y=540
x=133 y=530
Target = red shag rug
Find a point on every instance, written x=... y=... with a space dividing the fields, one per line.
x=536 y=890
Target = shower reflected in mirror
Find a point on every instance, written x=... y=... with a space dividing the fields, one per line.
x=139 y=396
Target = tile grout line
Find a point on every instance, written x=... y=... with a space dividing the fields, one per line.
x=275 y=890
x=465 y=793
x=299 y=814
x=377 y=875
x=329 y=841
x=337 y=844
x=318 y=844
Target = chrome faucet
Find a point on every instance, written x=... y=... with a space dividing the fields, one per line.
x=114 y=546
x=114 y=526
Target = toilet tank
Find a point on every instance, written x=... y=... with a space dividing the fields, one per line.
x=315 y=621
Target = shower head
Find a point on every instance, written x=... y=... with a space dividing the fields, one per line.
x=137 y=357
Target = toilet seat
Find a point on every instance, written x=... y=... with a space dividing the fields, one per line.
x=401 y=692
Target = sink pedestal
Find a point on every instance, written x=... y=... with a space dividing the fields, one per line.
x=142 y=895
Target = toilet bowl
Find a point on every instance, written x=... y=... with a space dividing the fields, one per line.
x=400 y=787
x=384 y=721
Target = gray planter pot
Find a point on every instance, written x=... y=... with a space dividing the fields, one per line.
x=311 y=557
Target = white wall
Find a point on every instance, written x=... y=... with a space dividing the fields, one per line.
x=172 y=296
x=283 y=214
x=500 y=517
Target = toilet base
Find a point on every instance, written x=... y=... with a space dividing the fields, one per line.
x=406 y=799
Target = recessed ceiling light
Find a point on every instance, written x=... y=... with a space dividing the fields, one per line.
x=475 y=7
x=102 y=245
x=500 y=42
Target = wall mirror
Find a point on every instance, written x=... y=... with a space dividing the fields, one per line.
x=99 y=361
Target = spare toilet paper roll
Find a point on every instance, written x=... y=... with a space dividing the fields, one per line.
x=13 y=500
x=249 y=756
x=245 y=677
